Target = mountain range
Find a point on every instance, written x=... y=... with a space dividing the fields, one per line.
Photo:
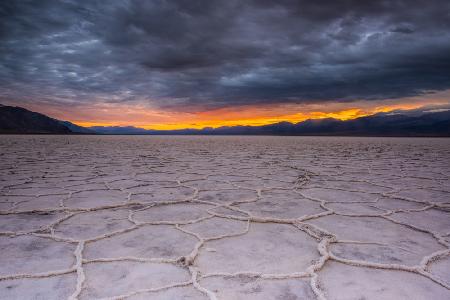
x=18 y=120
x=420 y=122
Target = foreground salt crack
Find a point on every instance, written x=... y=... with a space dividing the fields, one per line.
x=109 y=217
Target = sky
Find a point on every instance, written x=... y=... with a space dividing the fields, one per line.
x=193 y=64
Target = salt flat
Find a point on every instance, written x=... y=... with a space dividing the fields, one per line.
x=141 y=217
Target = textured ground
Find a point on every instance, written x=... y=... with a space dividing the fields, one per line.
x=85 y=217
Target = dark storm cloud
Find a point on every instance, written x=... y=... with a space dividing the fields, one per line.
x=187 y=55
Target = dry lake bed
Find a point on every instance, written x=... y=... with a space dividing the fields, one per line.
x=147 y=217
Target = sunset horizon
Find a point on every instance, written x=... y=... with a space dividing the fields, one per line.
x=240 y=116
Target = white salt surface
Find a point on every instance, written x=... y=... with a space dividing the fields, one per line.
x=141 y=217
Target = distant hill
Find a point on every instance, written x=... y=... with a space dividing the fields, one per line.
x=19 y=120
x=77 y=129
x=398 y=123
x=120 y=130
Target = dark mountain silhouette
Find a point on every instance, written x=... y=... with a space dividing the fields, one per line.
x=120 y=130
x=77 y=129
x=20 y=120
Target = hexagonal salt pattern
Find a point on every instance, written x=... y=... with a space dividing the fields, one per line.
x=146 y=217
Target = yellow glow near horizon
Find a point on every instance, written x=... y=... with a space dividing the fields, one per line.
x=250 y=116
x=144 y=116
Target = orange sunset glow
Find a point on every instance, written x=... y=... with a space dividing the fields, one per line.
x=252 y=116
x=142 y=117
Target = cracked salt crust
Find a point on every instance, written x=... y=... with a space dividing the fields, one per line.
x=109 y=217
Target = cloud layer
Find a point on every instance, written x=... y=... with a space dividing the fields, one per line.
x=199 y=55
